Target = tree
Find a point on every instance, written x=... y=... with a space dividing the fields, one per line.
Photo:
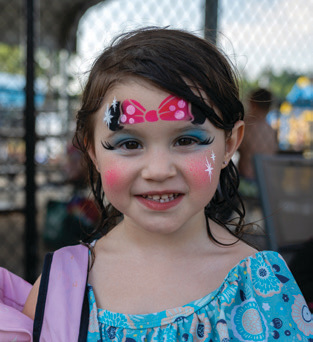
x=279 y=84
x=12 y=59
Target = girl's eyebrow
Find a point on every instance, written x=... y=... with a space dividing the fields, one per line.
x=195 y=128
x=124 y=131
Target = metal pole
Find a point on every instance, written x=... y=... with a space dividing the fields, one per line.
x=211 y=15
x=30 y=141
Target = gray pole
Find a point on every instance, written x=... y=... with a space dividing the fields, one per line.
x=30 y=238
x=210 y=30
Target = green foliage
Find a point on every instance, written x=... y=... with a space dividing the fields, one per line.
x=279 y=83
x=11 y=59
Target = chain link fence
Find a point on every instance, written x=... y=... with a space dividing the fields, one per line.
x=269 y=42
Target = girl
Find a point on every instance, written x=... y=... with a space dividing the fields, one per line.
x=159 y=123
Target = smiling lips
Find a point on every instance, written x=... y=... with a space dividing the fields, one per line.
x=161 y=198
x=160 y=202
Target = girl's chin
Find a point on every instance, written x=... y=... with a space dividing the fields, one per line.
x=154 y=225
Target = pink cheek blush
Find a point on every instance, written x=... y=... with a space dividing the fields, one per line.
x=115 y=183
x=196 y=168
x=202 y=169
x=113 y=180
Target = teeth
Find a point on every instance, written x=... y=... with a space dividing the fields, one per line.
x=163 y=198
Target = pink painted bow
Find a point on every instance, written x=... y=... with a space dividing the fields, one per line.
x=170 y=109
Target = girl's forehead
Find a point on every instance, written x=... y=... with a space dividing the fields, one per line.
x=143 y=91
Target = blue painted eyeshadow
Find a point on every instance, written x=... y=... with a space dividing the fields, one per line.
x=193 y=133
x=199 y=134
x=122 y=138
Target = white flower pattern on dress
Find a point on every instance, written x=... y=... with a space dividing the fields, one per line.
x=302 y=315
x=264 y=281
x=248 y=322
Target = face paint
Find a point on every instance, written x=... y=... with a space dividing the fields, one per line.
x=112 y=178
x=131 y=112
x=209 y=164
x=107 y=119
x=107 y=116
x=202 y=170
x=171 y=109
x=209 y=168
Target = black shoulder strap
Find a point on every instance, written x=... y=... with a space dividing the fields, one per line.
x=42 y=294
x=84 y=320
x=41 y=303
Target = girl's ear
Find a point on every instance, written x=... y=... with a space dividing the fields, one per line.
x=233 y=141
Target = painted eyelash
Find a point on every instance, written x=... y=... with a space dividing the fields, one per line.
x=107 y=145
x=207 y=141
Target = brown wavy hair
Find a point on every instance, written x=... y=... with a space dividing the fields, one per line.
x=182 y=64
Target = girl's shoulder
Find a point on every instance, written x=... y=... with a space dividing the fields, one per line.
x=241 y=261
x=266 y=258
x=266 y=272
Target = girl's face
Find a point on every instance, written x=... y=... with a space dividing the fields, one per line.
x=160 y=170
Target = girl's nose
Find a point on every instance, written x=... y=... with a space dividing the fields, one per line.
x=159 y=165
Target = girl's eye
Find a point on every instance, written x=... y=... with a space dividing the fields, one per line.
x=189 y=141
x=130 y=145
x=126 y=145
x=185 y=141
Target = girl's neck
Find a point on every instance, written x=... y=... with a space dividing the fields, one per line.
x=190 y=237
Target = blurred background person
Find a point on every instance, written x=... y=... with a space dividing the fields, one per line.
x=260 y=137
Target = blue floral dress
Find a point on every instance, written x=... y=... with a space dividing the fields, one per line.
x=259 y=300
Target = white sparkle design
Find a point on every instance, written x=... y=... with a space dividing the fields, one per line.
x=107 y=116
x=213 y=156
x=209 y=167
x=114 y=103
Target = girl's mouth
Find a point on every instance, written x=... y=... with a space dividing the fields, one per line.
x=160 y=202
x=161 y=198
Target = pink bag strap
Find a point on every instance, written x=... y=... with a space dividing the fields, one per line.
x=62 y=296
